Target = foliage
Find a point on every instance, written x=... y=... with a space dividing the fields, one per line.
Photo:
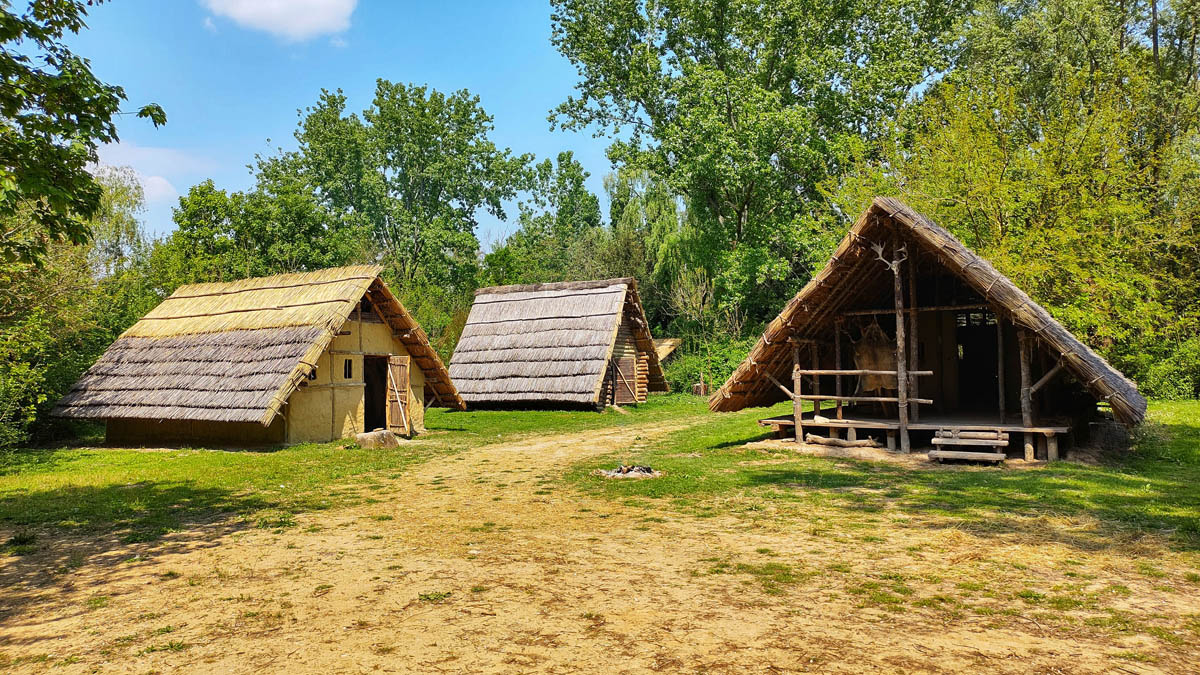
x=560 y=217
x=54 y=113
x=711 y=362
x=1063 y=153
x=744 y=107
x=413 y=170
x=58 y=316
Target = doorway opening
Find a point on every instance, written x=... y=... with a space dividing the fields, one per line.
x=375 y=393
x=976 y=337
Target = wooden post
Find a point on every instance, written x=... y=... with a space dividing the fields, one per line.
x=901 y=355
x=1023 y=344
x=816 y=379
x=1052 y=447
x=797 y=381
x=837 y=363
x=1000 y=364
x=913 y=347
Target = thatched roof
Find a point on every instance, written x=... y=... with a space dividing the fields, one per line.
x=234 y=352
x=849 y=274
x=547 y=342
x=664 y=347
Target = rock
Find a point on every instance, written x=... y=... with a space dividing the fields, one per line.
x=380 y=438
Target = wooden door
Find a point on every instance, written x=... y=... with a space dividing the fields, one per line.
x=625 y=380
x=399 y=419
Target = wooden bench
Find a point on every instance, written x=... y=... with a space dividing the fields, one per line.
x=973 y=445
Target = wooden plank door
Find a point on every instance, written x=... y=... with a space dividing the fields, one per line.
x=626 y=378
x=399 y=418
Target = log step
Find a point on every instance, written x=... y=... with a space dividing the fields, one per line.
x=966 y=454
x=993 y=442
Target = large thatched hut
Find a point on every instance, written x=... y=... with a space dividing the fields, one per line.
x=575 y=343
x=906 y=331
x=312 y=356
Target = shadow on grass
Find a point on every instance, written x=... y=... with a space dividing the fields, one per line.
x=47 y=534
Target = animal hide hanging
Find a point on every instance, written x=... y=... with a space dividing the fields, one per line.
x=875 y=351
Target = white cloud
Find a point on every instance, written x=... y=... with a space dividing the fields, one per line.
x=337 y=41
x=157 y=189
x=150 y=160
x=209 y=25
x=292 y=20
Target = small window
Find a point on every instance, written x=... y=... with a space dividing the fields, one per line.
x=348 y=371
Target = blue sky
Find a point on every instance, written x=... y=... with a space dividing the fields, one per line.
x=232 y=74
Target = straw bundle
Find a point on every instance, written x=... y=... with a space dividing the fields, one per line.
x=234 y=352
x=850 y=276
x=546 y=342
x=664 y=347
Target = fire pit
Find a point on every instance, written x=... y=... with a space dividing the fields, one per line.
x=629 y=471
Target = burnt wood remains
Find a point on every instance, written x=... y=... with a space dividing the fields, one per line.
x=908 y=334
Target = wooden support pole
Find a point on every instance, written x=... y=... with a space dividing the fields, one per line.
x=816 y=379
x=1045 y=379
x=797 y=380
x=913 y=348
x=1052 y=447
x=1023 y=344
x=837 y=363
x=1000 y=365
x=901 y=355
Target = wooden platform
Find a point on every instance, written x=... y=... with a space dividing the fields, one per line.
x=927 y=423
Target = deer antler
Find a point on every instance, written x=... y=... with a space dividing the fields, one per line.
x=892 y=265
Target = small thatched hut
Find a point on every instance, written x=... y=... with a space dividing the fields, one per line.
x=906 y=330
x=665 y=347
x=574 y=343
x=291 y=358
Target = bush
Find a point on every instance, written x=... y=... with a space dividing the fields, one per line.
x=1177 y=376
x=712 y=362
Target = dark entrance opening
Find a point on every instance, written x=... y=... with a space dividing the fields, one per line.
x=375 y=394
x=976 y=337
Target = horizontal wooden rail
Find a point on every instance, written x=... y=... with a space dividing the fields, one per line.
x=803 y=371
x=892 y=310
x=860 y=399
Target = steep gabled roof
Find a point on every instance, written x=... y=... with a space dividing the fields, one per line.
x=813 y=309
x=547 y=342
x=235 y=352
x=664 y=347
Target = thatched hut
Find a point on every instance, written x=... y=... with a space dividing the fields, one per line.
x=906 y=331
x=581 y=343
x=291 y=358
x=665 y=347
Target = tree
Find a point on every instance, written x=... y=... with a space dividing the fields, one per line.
x=744 y=107
x=414 y=170
x=54 y=113
x=1061 y=152
x=560 y=214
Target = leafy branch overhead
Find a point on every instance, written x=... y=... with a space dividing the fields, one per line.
x=55 y=114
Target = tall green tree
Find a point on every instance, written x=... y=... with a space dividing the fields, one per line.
x=560 y=216
x=414 y=169
x=744 y=107
x=54 y=113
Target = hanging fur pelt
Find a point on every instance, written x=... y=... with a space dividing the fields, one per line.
x=875 y=351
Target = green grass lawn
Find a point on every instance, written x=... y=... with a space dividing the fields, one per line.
x=1155 y=488
x=144 y=494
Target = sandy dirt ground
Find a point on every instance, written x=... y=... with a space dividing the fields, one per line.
x=482 y=563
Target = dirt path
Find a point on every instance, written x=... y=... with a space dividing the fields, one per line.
x=477 y=563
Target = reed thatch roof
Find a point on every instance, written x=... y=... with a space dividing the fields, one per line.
x=664 y=347
x=235 y=352
x=849 y=274
x=547 y=342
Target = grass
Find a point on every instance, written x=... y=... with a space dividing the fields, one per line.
x=1156 y=488
x=143 y=494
